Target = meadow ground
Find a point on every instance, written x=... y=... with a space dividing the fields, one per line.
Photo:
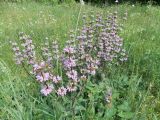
x=137 y=82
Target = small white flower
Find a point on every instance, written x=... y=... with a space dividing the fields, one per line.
x=82 y=2
x=116 y=1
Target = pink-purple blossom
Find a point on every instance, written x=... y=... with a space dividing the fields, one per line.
x=56 y=79
x=39 y=66
x=62 y=91
x=47 y=89
x=68 y=63
x=43 y=77
x=71 y=88
x=69 y=50
x=72 y=75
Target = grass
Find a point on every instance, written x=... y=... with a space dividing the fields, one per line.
x=137 y=83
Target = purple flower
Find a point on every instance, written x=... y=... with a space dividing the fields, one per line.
x=72 y=75
x=47 y=90
x=62 y=91
x=88 y=57
x=46 y=76
x=97 y=62
x=91 y=69
x=71 y=87
x=42 y=64
x=43 y=77
x=37 y=67
x=69 y=50
x=56 y=79
x=68 y=63
x=39 y=78
x=31 y=61
x=92 y=72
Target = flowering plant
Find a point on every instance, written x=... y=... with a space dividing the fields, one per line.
x=94 y=47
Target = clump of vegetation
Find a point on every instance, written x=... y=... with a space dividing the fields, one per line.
x=96 y=46
x=128 y=90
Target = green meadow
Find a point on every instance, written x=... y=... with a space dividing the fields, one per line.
x=136 y=84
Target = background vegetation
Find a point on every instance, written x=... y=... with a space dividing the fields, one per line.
x=122 y=1
x=90 y=1
x=135 y=85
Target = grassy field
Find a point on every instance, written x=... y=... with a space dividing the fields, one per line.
x=136 y=83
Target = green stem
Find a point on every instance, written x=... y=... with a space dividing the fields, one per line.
x=25 y=69
x=76 y=97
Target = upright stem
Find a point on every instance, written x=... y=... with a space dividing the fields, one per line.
x=27 y=70
x=78 y=21
x=76 y=97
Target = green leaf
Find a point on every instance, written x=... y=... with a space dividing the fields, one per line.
x=127 y=115
x=80 y=108
x=110 y=113
x=124 y=107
